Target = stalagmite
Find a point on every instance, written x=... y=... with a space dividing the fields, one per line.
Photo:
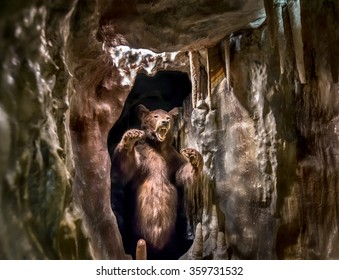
x=141 y=250
x=197 y=247
x=227 y=61
x=195 y=76
x=221 y=252
x=279 y=31
x=294 y=13
x=205 y=224
x=214 y=227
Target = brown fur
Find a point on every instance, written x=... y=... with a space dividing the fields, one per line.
x=152 y=167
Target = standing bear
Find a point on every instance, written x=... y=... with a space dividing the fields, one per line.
x=153 y=176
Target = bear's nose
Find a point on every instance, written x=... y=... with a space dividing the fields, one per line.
x=164 y=122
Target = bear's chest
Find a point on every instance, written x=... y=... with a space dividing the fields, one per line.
x=157 y=162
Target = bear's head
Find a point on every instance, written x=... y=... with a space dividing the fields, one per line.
x=157 y=124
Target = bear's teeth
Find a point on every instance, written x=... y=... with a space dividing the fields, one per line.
x=161 y=133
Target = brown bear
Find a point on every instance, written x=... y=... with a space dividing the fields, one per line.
x=154 y=175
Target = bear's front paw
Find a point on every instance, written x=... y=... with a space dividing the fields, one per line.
x=194 y=157
x=131 y=136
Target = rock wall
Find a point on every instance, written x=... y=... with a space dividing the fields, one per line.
x=263 y=112
x=280 y=117
x=268 y=133
x=37 y=218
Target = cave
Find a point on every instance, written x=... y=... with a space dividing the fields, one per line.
x=257 y=86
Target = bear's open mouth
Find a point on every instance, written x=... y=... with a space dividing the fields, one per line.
x=161 y=133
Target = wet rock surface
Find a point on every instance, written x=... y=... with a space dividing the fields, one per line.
x=263 y=113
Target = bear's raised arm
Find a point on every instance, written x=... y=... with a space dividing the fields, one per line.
x=189 y=172
x=124 y=160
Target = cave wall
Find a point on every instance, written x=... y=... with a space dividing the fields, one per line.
x=277 y=177
x=263 y=112
x=37 y=218
x=268 y=133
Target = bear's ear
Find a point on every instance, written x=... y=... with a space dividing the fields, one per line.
x=174 y=112
x=142 y=110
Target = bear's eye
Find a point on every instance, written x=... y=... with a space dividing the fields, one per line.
x=156 y=116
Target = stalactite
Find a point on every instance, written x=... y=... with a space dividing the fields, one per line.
x=227 y=61
x=270 y=20
x=208 y=78
x=274 y=15
x=295 y=19
x=138 y=60
x=279 y=32
x=195 y=76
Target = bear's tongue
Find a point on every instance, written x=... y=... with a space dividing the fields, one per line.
x=161 y=133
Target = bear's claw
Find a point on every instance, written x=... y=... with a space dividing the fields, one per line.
x=193 y=156
x=133 y=135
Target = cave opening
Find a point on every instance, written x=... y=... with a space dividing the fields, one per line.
x=165 y=90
